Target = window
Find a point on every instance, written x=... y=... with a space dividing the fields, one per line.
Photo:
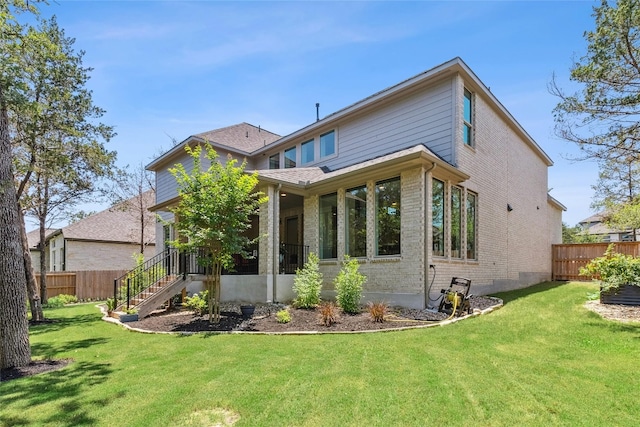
x=437 y=217
x=290 y=158
x=167 y=232
x=471 y=225
x=356 y=221
x=274 y=161
x=388 y=217
x=456 y=222
x=329 y=226
x=307 y=152
x=327 y=144
x=467 y=129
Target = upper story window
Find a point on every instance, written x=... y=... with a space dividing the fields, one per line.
x=327 y=144
x=388 y=217
x=467 y=128
x=274 y=161
x=307 y=151
x=290 y=158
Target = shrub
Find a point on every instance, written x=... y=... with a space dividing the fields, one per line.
x=111 y=304
x=283 y=316
x=53 y=302
x=197 y=303
x=348 y=285
x=377 y=311
x=328 y=313
x=613 y=269
x=68 y=299
x=308 y=283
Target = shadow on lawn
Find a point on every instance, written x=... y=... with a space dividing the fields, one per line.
x=54 y=324
x=62 y=389
x=511 y=296
x=49 y=351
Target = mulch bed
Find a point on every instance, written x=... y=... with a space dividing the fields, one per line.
x=33 y=368
x=302 y=320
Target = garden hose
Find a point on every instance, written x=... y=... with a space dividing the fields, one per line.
x=452 y=297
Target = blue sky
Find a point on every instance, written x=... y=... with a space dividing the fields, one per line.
x=165 y=69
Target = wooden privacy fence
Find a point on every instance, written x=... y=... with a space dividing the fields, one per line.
x=83 y=284
x=568 y=259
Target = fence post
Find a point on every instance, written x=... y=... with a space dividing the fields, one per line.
x=115 y=291
x=128 y=291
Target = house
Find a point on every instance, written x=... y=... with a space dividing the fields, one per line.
x=425 y=180
x=106 y=240
x=596 y=225
x=33 y=239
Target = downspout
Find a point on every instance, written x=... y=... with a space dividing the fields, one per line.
x=276 y=246
x=426 y=235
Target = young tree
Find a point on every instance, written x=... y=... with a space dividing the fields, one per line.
x=134 y=192
x=602 y=119
x=214 y=212
x=576 y=234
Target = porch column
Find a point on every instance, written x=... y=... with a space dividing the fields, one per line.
x=269 y=248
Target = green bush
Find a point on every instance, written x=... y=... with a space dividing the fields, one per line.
x=283 y=316
x=111 y=305
x=348 y=285
x=197 y=303
x=60 y=300
x=308 y=283
x=613 y=269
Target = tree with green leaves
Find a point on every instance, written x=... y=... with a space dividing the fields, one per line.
x=14 y=327
x=602 y=118
x=214 y=212
x=576 y=234
x=617 y=193
x=58 y=147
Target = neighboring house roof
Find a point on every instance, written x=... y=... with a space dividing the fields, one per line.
x=33 y=237
x=242 y=138
x=115 y=224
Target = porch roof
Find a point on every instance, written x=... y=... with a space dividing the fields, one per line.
x=307 y=178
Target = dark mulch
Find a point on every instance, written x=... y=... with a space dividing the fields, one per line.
x=33 y=368
x=302 y=320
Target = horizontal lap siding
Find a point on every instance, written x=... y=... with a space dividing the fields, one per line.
x=422 y=118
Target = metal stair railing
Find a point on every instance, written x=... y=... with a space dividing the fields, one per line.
x=166 y=266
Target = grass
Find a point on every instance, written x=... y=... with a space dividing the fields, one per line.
x=542 y=359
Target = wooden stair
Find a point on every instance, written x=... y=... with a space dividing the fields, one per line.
x=155 y=295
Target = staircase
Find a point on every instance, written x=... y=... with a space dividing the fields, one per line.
x=148 y=286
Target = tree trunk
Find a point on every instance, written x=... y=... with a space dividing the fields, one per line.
x=32 y=284
x=14 y=327
x=43 y=263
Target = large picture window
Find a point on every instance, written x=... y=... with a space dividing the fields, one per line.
x=471 y=225
x=328 y=226
x=327 y=144
x=456 y=222
x=356 y=221
x=388 y=217
x=437 y=217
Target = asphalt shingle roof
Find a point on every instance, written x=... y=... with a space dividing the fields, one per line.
x=243 y=136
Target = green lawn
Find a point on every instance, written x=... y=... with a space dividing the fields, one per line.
x=541 y=360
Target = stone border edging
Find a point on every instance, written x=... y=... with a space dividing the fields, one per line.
x=431 y=324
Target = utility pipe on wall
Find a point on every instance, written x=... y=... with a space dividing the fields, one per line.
x=426 y=235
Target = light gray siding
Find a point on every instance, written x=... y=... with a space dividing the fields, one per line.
x=422 y=118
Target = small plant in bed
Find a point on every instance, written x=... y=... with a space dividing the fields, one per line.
x=283 y=316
